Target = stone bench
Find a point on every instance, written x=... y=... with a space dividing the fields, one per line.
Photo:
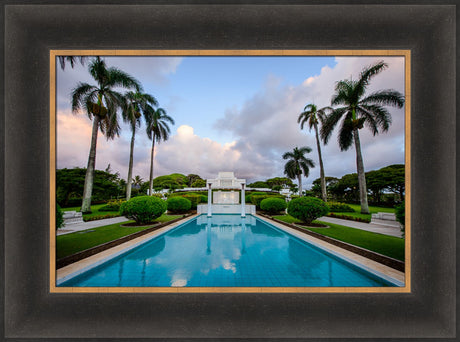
x=72 y=217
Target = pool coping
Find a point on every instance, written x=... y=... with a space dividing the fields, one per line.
x=83 y=265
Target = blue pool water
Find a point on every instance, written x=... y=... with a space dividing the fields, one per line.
x=226 y=250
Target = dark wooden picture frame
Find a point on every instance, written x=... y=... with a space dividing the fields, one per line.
x=32 y=30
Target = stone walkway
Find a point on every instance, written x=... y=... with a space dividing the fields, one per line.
x=76 y=227
x=370 y=227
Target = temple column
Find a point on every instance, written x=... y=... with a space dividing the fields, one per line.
x=209 y=200
x=243 y=201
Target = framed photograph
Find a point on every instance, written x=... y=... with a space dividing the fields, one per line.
x=44 y=287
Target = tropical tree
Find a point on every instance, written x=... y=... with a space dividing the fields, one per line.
x=100 y=102
x=313 y=116
x=72 y=60
x=137 y=180
x=136 y=105
x=359 y=110
x=157 y=130
x=297 y=164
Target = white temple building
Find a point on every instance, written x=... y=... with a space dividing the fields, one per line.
x=226 y=202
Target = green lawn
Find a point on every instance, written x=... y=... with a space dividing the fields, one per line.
x=75 y=242
x=95 y=211
x=383 y=244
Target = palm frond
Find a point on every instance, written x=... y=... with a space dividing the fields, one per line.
x=345 y=137
x=330 y=122
x=386 y=97
x=79 y=94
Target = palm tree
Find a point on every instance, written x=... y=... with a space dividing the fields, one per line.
x=100 y=103
x=360 y=110
x=313 y=115
x=157 y=130
x=137 y=181
x=72 y=60
x=136 y=104
x=298 y=165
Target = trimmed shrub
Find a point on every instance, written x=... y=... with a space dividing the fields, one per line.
x=338 y=207
x=178 y=205
x=143 y=209
x=204 y=199
x=257 y=199
x=307 y=209
x=59 y=217
x=194 y=198
x=273 y=205
x=112 y=205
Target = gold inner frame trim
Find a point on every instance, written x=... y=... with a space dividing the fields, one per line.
x=193 y=52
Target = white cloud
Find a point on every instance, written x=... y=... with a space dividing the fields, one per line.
x=262 y=129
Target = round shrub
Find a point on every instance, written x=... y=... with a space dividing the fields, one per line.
x=143 y=209
x=307 y=209
x=273 y=205
x=204 y=199
x=178 y=205
x=59 y=217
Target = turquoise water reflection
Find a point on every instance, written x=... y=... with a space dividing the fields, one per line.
x=226 y=250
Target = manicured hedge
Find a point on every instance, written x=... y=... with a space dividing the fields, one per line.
x=112 y=205
x=338 y=207
x=194 y=198
x=307 y=209
x=178 y=205
x=273 y=205
x=143 y=209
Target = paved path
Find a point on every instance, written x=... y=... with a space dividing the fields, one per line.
x=76 y=227
x=371 y=227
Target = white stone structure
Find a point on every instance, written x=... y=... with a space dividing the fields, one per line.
x=226 y=180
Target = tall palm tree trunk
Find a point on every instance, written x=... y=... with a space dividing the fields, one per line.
x=321 y=167
x=89 y=178
x=299 y=179
x=151 y=166
x=361 y=174
x=130 y=168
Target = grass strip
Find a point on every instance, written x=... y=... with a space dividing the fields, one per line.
x=387 y=245
x=69 y=244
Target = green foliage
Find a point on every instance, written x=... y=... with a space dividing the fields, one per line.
x=307 y=209
x=172 y=181
x=276 y=188
x=258 y=184
x=143 y=209
x=112 y=205
x=178 y=205
x=199 y=183
x=70 y=182
x=338 y=207
x=400 y=212
x=282 y=181
x=257 y=199
x=273 y=205
x=193 y=198
x=204 y=199
x=59 y=217
x=350 y=218
x=95 y=217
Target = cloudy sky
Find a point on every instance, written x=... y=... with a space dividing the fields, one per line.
x=231 y=114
